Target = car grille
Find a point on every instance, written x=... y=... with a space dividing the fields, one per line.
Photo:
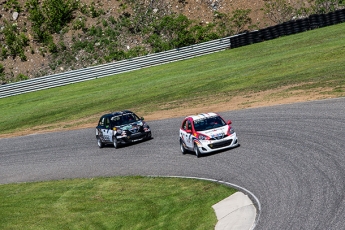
x=220 y=144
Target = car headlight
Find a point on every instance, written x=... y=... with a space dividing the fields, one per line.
x=231 y=131
x=202 y=137
x=119 y=131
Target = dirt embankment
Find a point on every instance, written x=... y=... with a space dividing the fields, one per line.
x=38 y=60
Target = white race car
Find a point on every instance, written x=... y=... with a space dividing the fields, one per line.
x=206 y=133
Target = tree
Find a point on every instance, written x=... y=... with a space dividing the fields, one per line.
x=240 y=19
x=278 y=11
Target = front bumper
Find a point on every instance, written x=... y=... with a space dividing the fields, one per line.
x=208 y=146
x=133 y=137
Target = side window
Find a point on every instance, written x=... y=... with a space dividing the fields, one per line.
x=107 y=123
x=184 y=125
x=101 y=122
x=189 y=125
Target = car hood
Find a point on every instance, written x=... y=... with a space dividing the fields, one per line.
x=131 y=126
x=216 y=132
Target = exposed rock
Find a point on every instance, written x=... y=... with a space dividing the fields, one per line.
x=15 y=16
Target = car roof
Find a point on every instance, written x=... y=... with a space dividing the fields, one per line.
x=117 y=113
x=121 y=112
x=203 y=116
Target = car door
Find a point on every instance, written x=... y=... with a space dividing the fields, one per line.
x=104 y=131
x=186 y=133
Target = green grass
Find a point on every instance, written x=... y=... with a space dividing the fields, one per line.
x=111 y=203
x=310 y=60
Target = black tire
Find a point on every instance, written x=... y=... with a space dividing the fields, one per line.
x=100 y=143
x=182 y=148
x=115 y=143
x=149 y=136
x=196 y=150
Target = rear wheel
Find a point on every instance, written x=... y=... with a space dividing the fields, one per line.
x=100 y=143
x=196 y=150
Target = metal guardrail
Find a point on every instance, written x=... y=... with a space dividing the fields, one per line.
x=109 y=69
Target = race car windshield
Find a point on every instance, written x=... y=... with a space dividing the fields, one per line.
x=208 y=123
x=124 y=119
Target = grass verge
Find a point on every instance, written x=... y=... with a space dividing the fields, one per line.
x=111 y=203
x=305 y=61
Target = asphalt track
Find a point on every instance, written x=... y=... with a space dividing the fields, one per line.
x=291 y=157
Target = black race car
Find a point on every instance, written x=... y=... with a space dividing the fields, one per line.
x=121 y=127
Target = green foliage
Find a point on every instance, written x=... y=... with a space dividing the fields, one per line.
x=12 y=5
x=223 y=25
x=15 y=41
x=91 y=10
x=240 y=19
x=278 y=11
x=58 y=13
x=230 y=24
x=79 y=23
x=21 y=77
x=203 y=33
x=104 y=23
x=52 y=47
x=175 y=31
x=170 y=32
x=325 y=6
x=112 y=20
x=94 y=12
x=62 y=46
x=95 y=31
x=157 y=43
x=136 y=51
x=84 y=9
x=38 y=20
x=3 y=53
x=50 y=17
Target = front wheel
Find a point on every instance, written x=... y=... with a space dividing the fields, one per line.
x=148 y=136
x=183 y=150
x=196 y=150
x=116 y=144
x=100 y=143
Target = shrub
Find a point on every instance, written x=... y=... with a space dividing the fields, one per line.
x=79 y=23
x=15 y=41
x=21 y=77
x=12 y=4
x=94 y=11
x=240 y=19
x=50 y=17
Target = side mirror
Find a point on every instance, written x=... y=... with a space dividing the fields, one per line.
x=142 y=118
x=188 y=131
x=229 y=122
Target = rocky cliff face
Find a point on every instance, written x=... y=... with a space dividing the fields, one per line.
x=38 y=60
